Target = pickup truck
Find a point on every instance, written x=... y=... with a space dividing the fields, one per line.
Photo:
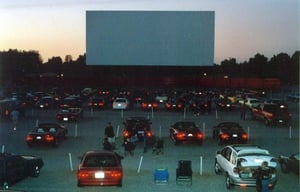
x=271 y=114
x=70 y=115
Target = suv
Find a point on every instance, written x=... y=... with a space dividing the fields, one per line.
x=239 y=163
x=137 y=126
x=16 y=167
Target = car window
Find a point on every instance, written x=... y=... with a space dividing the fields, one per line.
x=100 y=161
x=226 y=152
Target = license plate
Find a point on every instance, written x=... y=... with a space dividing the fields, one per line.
x=38 y=137
x=99 y=175
x=65 y=118
x=234 y=135
x=190 y=135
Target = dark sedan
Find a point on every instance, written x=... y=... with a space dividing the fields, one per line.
x=102 y=168
x=186 y=131
x=289 y=164
x=47 y=133
x=15 y=167
x=149 y=104
x=229 y=132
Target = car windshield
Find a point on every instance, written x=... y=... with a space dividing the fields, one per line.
x=101 y=160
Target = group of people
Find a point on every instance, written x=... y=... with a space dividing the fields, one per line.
x=110 y=144
x=129 y=144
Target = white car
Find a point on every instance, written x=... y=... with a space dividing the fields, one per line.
x=250 y=102
x=239 y=163
x=121 y=103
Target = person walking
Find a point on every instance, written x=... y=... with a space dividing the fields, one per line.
x=15 y=117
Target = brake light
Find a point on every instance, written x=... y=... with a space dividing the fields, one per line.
x=6 y=112
x=224 y=136
x=199 y=135
x=244 y=136
x=149 y=134
x=126 y=134
x=144 y=105
x=82 y=174
x=179 y=105
x=116 y=174
x=90 y=104
x=155 y=105
x=49 y=138
x=180 y=135
x=29 y=138
x=168 y=105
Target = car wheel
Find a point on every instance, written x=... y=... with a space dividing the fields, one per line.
x=227 y=181
x=283 y=168
x=36 y=172
x=5 y=185
x=217 y=168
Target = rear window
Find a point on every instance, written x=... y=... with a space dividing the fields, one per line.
x=104 y=160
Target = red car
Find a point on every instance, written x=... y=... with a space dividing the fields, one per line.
x=100 y=168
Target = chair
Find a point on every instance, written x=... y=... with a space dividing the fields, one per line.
x=184 y=172
x=161 y=176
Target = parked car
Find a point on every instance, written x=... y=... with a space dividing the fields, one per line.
x=149 y=104
x=100 y=168
x=280 y=102
x=14 y=167
x=250 y=102
x=289 y=163
x=121 y=103
x=224 y=104
x=70 y=115
x=47 y=133
x=71 y=102
x=137 y=126
x=45 y=102
x=229 y=132
x=97 y=103
x=175 y=104
x=240 y=163
x=186 y=131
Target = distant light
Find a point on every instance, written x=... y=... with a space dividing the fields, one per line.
x=204 y=74
x=226 y=77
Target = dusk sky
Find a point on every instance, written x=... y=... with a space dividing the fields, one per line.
x=242 y=27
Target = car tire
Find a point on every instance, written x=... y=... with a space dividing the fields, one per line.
x=36 y=172
x=227 y=182
x=217 y=168
x=5 y=185
x=283 y=167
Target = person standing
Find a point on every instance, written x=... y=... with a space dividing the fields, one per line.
x=263 y=177
x=109 y=133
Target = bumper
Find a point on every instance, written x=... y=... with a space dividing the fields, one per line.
x=251 y=182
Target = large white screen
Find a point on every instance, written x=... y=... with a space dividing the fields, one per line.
x=150 y=38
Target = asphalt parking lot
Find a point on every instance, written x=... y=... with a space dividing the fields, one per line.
x=59 y=171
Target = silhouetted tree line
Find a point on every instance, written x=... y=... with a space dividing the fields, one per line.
x=17 y=67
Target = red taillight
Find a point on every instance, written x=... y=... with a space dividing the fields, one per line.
x=224 y=136
x=244 y=136
x=179 y=105
x=155 y=105
x=100 y=104
x=149 y=134
x=82 y=174
x=144 y=105
x=199 y=135
x=116 y=174
x=6 y=112
x=49 y=138
x=90 y=104
x=168 y=105
x=126 y=133
x=180 y=135
x=29 y=138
